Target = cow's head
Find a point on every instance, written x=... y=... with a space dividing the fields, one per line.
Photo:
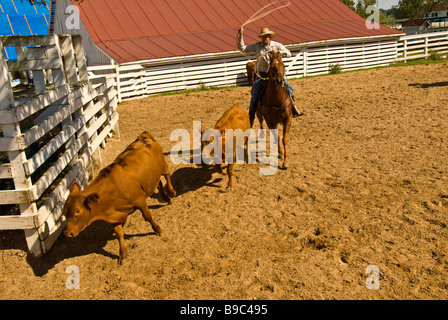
x=77 y=210
x=220 y=136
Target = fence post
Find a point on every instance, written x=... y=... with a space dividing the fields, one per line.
x=117 y=75
x=69 y=66
x=6 y=96
x=305 y=62
x=426 y=46
x=17 y=158
x=405 y=48
x=80 y=58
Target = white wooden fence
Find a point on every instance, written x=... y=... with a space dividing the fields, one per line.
x=49 y=132
x=306 y=62
x=146 y=78
x=137 y=80
x=422 y=45
x=130 y=79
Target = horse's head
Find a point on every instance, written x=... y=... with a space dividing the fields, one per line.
x=277 y=68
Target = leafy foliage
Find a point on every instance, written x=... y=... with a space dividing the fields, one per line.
x=412 y=9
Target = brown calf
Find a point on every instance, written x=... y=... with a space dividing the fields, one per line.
x=234 y=118
x=120 y=189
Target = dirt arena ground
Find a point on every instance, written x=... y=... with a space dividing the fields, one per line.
x=367 y=185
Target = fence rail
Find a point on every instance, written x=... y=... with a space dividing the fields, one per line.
x=50 y=129
x=422 y=45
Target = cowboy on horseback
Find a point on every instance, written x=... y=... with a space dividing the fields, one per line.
x=261 y=49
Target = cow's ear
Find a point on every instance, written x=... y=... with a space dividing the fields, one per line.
x=74 y=188
x=92 y=199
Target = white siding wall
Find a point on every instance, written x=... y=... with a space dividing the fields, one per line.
x=95 y=56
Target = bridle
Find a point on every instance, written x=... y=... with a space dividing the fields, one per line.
x=260 y=58
x=282 y=77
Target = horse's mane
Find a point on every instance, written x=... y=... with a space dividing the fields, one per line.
x=276 y=56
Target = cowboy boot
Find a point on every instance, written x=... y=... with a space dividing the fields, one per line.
x=295 y=112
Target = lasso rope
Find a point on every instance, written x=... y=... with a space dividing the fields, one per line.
x=258 y=15
x=259 y=59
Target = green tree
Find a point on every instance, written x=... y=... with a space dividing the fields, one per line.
x=362 y=5
x=412 y=9
x=349 y=3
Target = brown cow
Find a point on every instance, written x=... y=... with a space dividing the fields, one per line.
x=120 y=189
x=234 y=118
x=250 y=68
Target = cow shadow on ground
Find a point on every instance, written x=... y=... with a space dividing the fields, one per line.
x=192 y=178
x=92 y=240
x=95 y=237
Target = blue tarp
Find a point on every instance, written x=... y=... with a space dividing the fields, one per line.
x=23 y=7
x=13 y=21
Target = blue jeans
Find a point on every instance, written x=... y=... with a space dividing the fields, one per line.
x=256 y=91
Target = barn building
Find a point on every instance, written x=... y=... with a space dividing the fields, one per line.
x=161 y=45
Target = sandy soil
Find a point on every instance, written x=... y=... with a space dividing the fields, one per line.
x=367 y=185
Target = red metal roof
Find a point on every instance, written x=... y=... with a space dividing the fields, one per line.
x=134 y=30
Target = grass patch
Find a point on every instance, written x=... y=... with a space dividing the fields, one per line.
x=417 y=62
x=392 y=65
x=333 y=69
x=188 y=91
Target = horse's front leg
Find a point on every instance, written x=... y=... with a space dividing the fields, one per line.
x=286 y=128
x=260 y=117
x=280 y=149
x=273 y=128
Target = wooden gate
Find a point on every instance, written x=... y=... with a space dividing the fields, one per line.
x=51 y=124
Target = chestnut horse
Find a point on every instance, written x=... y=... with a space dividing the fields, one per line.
x=275 y=105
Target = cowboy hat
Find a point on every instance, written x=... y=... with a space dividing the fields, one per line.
x=265 y=31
